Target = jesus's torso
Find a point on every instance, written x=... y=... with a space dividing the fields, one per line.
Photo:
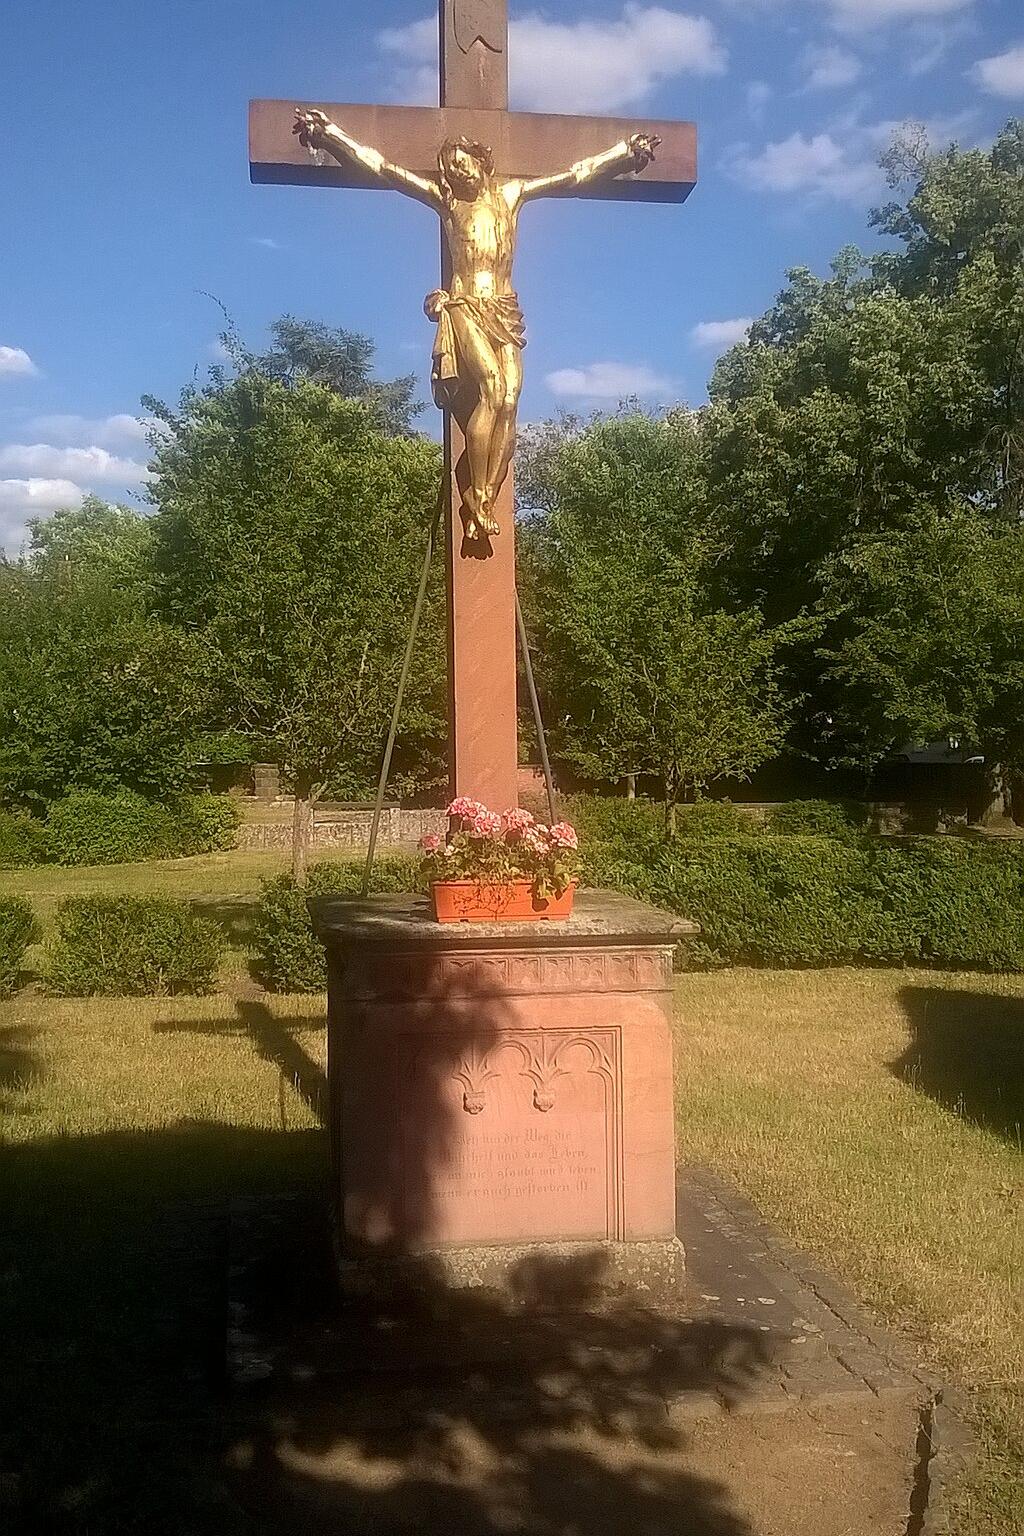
x=481 y=237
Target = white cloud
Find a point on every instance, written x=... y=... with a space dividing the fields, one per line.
x=46 y=463
x=603 y=65
x=717 y=335
x=268 y=242
x=839 y=163
x=1003 y=73
x=32 y=497
x=15 y=360
x=818 y=164
x=830 y=67
x=118 y=431
x=610 y=381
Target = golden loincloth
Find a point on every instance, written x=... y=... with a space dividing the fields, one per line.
x=500 y=319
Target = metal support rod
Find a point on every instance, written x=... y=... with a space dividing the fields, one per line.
x=385 y=767
x=524 y=646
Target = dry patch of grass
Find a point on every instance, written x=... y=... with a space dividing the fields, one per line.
x=874 y=1115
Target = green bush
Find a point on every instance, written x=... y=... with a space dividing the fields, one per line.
x=131 y=946
x=607 y=818
x=817 y=818
x=18 y=929
x=206 y=824
x=89 y=826
x=815 y=901
x=712 y=818
x=290 y=958
x=23 y=840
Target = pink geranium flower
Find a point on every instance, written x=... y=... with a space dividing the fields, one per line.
x=485 y=824
x=564 y=836
x=430 y=843
x=464 y=809
x=517 y=821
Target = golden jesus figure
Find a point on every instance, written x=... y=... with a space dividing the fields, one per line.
x=477 y=366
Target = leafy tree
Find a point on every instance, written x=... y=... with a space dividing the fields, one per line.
x=94 y=692
x=290 y=530
x=340 y=360
x=869 y=410
x=930 y=641
x=646 y=673
x=99 y=538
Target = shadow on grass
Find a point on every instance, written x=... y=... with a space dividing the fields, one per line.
x=454 y=1413
x=274 y=1042
x=114 y=1415
x=21 y=1067
x=967 y=1053
x=234 y=915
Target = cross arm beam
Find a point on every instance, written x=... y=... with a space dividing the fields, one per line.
x=525 y=144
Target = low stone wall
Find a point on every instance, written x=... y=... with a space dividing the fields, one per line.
x=347 y=827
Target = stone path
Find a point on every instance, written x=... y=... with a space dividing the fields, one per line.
x=770 y=1403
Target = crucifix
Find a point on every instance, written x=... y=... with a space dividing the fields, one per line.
x=475 y=164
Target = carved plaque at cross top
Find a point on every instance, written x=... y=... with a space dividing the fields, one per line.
x=527 y=148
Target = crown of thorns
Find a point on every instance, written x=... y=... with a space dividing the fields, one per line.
x=481 y=153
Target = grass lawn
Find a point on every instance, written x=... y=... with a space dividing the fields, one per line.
x=868 y=1112
x=875 y=1116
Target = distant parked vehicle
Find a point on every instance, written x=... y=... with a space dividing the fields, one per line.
x=951 y=752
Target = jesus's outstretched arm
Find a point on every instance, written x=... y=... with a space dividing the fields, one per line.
x=316 y=131
x=633 y=154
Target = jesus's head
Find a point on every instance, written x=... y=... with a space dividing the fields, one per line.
x=466 y=167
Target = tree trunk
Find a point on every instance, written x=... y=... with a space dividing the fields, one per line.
x=671 y=796
x=302 y=830
x=630 y=786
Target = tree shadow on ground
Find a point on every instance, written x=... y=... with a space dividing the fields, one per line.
x=114 y=1413
x=967 y=1053
x=20 y=1065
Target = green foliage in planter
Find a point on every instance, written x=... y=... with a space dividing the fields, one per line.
x=23 y=840
x=18 y=929
x=131 y=946
x=290 y=958
x=817 y=818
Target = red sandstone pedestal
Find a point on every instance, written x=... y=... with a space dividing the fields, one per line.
x=502 y=1091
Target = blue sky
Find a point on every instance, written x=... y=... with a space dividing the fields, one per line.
x=126 y=198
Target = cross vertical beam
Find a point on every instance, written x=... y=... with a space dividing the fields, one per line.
x=484 y=738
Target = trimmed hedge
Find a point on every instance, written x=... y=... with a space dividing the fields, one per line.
x=290 y=958
x=18 y=929
x=91 y=827
x=817 y=818
x=131 y=946
x=23 y=840
x=818 y=901
x=711 y=818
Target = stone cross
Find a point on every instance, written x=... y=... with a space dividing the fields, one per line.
x=474 y=103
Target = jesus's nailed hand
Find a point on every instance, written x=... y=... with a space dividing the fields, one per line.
x=310 y=125
x=643 y=146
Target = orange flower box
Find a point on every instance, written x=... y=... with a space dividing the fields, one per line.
x=480 y=901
